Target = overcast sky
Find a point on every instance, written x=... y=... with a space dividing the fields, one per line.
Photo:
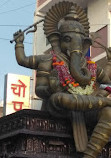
x=14 y=15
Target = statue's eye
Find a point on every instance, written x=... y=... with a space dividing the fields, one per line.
x=66 y=39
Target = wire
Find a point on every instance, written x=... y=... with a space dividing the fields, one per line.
x=14 y=25
x=9 y=40
x=41 y=25
x=4 y=39
x=18 y=8
x=4 y=3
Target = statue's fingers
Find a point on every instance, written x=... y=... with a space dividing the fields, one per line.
x=16 y=33
x=20 y=30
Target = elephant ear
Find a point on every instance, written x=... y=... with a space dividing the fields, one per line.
x=87 y=42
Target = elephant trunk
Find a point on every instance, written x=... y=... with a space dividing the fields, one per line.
x=79 y=73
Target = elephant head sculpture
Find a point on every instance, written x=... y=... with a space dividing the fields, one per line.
x=68 y=33
x=75 y=44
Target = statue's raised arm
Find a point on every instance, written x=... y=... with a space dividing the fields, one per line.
x=108 y=66
x=106 y=73
x=41 y=63
x=22 y=59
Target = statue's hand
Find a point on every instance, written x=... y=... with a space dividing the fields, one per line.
x=19 y=36
x=108 y=52
x=54 y=82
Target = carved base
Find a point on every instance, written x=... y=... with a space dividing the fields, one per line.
x=31 y=133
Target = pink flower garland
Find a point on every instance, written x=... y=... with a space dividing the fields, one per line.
x=64 y=74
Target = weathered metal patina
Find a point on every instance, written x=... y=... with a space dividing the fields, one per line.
x=67 y=81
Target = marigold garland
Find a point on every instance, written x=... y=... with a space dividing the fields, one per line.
x=69 y=82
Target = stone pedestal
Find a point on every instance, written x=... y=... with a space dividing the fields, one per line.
x=36 y=134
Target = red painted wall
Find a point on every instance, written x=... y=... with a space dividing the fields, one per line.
x=40 y=2
x=103 y=34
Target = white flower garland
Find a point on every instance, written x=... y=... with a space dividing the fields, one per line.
x=82 y=91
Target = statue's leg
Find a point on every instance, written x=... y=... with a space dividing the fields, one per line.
x=78 y=102
x=100 y=135
x=55 y=109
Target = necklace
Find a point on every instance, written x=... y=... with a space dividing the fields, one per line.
x=68 y=82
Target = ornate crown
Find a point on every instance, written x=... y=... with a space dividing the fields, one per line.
x=61 y=10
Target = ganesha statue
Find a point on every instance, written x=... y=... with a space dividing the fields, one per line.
x=69 y=82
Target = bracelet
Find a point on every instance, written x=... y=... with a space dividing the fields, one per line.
x=100 y=102
x=76 y=51
x=90 y=104
x=19 y=45
x=33 y=60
